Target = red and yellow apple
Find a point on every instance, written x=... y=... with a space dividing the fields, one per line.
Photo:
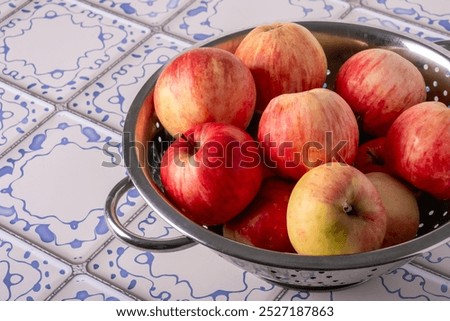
x=263 y=222
x=212 y=172
x=402 y=210
x=335 y=209
x=417 y=148
x=379 y=85
x=300 y=131
x=283 y=58
x=204 y=85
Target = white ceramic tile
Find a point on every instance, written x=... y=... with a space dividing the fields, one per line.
x=434 y=14
x=8 y=6
x=27 y=273
x=207 y=18
x=364 y=16
x=19 y=112
x=84 y=288
x=109 y=98
x=437 y=260
x=196 y=273
x=405 y=283
x=54 y=184
x=149 y=12
x=55 y=47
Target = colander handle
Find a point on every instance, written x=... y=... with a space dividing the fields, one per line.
x=120 y=231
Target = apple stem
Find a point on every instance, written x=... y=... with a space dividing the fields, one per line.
x=183 y=136
x=377 y=160
x=348 y=209
x=193 y=147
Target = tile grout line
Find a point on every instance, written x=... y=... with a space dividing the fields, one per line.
x=413 y=23
x=76 y=268
x=156 y=28
x=13 y=12
x=429 y=270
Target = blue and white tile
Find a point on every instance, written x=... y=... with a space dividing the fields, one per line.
x=404 y=283
x=19 y=112
x=84 y=288
x=26 y=273
x=196 y=273
x=208 y=18
x=437 y=260
x=433 y=14
x=149 y=12
x=109 y=98
x=8 y=6
x=364 y=16
x=53 y=48
x=53 y=186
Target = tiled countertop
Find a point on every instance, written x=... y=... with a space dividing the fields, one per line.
x=68 y=72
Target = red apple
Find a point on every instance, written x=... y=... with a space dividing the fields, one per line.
x=402 y=210
x=212 y=172
x=370 y=156
x=263 y=222
x=283 y=58
x=335 y=209
x=417 y=148
x=204 y=85
x=303 y=130
x=379 y=85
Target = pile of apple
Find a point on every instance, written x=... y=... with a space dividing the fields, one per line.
x=302 y=181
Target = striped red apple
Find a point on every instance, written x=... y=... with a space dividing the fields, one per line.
x=204 y=85
x=379 y=85
x=303 y=130
x=284 y=58
x=417 y=148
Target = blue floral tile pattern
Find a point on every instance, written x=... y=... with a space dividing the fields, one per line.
x=207 y=18
x=157 y=276
x=364 y=16
x=437 y=260
x=149 y=12
x=69 y=70
x=27 y=273
x=38 y=50
x=109 y=98
x=63 y=155
x=19 y=112
x=84 y=288
x=405 y=283
x=428 y=13
x=8 y=6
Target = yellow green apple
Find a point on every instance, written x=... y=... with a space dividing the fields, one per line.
x=335 y=209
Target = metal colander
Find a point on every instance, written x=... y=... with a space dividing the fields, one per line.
x=143 y=138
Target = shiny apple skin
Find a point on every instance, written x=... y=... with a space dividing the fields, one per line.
x=204 y=85
x=284 y=58
x=263 y=223
x=379 y=85
x=212 y=172
x=334 y=209
x=418 y=148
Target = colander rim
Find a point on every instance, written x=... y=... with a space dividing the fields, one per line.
x=154 y=197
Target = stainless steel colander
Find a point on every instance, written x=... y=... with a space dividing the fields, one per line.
x=142 y=150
